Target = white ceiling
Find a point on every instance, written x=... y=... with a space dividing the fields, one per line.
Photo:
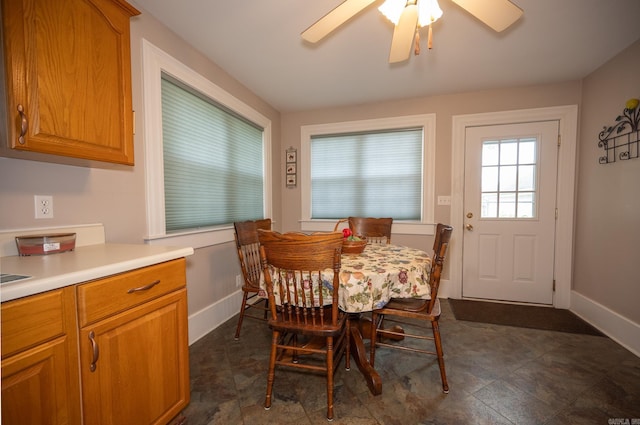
x=258 y=42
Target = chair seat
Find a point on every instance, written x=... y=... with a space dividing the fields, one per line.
x=325 y=329
x=253 y=288
x=412 y=305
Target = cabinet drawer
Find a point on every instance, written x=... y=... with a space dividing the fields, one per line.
x=111 y=295
x=29 y=321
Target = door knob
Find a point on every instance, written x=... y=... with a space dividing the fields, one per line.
x=469 y=227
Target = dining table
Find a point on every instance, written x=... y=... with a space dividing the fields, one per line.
x=368 y=281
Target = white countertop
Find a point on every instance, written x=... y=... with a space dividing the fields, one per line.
x=85 y=263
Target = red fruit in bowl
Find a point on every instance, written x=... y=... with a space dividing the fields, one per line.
x=346 y=232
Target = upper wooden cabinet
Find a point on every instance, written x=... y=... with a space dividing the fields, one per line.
x=68 y=78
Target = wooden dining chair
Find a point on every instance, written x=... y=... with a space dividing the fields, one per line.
x=247 y=244
x=427 y=310
x=376 y=230
x=309 y=330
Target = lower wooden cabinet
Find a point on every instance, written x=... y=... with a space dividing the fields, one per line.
x=133 y=361
x=134 y=367
x=40 y=382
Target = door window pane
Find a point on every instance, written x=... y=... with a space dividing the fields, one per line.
x=509 y=152
x=490 y=153
x=527 y=152
x=526 y=177
x=526 y=204
x=489 y=207
x=489 y=179
x=507 y=205
x=508 y=177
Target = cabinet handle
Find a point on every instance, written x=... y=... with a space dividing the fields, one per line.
x=96 y=351
x=24 y=124
x=143 y=288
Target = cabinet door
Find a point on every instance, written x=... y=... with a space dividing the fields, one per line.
x=40 y=380
x=68 y=70
x=135 y=365
x=36 y=387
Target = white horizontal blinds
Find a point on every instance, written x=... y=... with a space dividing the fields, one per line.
x=371 y=174
x=213 y=162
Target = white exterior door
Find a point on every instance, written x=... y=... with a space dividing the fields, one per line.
x=510 y=177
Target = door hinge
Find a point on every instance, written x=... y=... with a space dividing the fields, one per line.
x=554 y=285
x=559 y=138
x=556 y=213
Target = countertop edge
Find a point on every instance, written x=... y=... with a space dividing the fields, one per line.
x=101 y=266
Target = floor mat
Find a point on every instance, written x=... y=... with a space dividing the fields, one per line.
x=522 y=316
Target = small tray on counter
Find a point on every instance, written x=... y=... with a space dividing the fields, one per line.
x=45 y=244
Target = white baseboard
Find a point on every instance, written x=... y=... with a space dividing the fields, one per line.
x=617 y=327
x=204 y=321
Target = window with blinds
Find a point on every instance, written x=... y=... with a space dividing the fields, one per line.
x=213 y=161
x=367 y=173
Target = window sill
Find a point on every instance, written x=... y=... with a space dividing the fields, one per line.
x=399 y=227
x=195 y=239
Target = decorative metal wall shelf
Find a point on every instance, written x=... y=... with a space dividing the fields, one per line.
x=622 y=140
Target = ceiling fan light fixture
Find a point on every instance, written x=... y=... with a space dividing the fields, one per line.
x=409 y=15
x=392 y=9
x=428 y=10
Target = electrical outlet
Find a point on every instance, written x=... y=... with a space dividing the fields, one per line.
x=44 y=206
x=238 y=281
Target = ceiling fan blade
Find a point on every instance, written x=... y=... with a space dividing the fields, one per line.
x=403 y=34
x=497 y=14
x=332 y=20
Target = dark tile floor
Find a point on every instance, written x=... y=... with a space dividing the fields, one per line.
x=497 y=375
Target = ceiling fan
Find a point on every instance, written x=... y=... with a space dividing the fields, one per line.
x=497 y=14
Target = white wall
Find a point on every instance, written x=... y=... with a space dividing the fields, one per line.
x=607 y=242
x=606 y=278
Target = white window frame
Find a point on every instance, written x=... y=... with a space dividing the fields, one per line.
x=154 y=63
x=425 y=121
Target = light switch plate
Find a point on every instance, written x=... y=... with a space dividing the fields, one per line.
x=444 y=200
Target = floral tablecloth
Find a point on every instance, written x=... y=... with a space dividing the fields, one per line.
x=370 y=279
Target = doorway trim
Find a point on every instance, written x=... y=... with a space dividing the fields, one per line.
x=568 y=124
